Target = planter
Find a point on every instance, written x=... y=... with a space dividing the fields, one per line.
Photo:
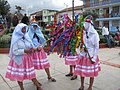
x=103 y=45
x=4 y=50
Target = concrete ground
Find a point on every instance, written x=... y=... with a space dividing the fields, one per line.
x=108 y=79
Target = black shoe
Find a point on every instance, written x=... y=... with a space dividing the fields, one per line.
x=69 y=75
x=81 y=88
x=74 y=77
x=51 y=79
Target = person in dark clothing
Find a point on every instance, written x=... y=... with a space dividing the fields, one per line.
x=25 y=19
x=2 y=30
x=15 y=20
x=118 y=31
x=8 y=19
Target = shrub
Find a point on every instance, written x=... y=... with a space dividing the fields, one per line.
x=5 y=41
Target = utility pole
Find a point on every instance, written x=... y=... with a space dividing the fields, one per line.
x=73 y=10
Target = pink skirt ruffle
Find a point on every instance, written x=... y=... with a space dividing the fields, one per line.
x=40 y=60
x=71 y=60
x=21 y=72
x=85 y=68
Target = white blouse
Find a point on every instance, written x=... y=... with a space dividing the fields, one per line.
x=18 y=48
x=91 y=46
x=35 y=42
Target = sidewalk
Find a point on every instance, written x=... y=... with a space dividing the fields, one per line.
x=108 y=79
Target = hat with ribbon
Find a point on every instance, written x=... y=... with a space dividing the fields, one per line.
x=89 y=19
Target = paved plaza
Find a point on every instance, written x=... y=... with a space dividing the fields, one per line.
x=108 y=79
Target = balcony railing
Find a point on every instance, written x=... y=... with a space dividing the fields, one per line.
x=115 y=14
x=112 y=15
x=99 y=3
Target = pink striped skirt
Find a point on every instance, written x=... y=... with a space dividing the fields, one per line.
x=40 y=60
x=71 y=60
x=21 y=72
x=85 y=68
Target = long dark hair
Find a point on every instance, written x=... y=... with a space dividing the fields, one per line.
x=35 y=36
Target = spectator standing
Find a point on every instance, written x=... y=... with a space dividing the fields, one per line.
x=25 y=19
x=8 y=19
x=15 y=20
x=2 y=30
x=118 y=31
x=105 y=33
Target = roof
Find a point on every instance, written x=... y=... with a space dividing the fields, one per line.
x=70 y=9
x=38 y=12
x=50 y=10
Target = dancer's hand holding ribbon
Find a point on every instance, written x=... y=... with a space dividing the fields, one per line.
x=85 y=49
x=33 y=50
x=92 y=60
x=28 y=51
x=39 y=49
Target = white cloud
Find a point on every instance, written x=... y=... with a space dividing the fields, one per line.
x=36 y=5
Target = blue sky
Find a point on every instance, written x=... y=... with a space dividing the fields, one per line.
x=31 y=6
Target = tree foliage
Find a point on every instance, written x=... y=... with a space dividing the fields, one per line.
x=92 y=12
x=4 y=7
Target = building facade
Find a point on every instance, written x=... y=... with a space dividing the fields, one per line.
x=44 y=16
x=38 y=16
x=48 y=15
x=108 y=11
x=69 y=12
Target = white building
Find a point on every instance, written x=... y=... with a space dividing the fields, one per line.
x=108 y=10
x=44 y=16
x=48 y=15
x=69 y=11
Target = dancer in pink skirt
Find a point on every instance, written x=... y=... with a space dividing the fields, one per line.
x=88 y=64
x=40 y=60
x=21 y=66
x=71 y=61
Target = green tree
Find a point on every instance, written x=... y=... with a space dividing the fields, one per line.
x=4 y=7
x=94 y=14
x=91 y=12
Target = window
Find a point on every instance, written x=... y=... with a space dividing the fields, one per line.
x=52 y=16
x=115 y=23
x=116 y=9
x=115 y=12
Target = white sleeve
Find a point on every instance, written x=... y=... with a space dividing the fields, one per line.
x=96 y=48
x=103 y=31
x=78 y=50
x=16 y=50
